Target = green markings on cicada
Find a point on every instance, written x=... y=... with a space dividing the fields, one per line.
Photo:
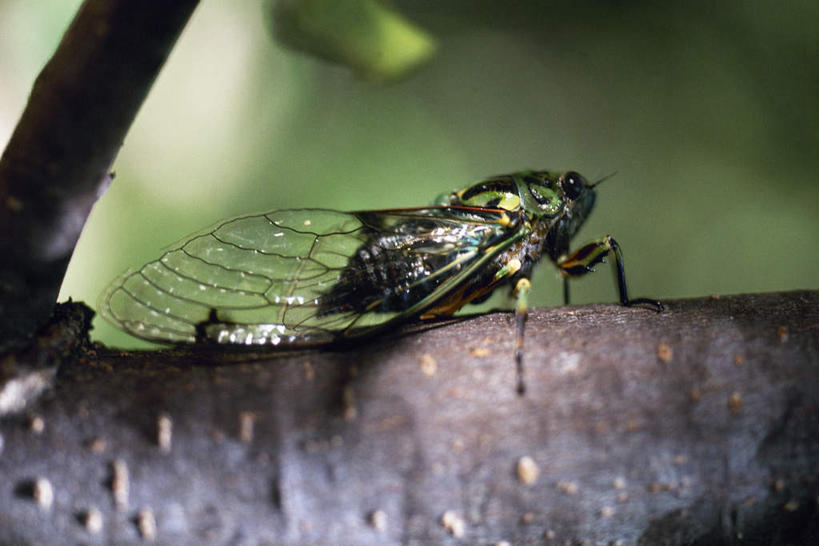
x=500 y=192
x=302 y=277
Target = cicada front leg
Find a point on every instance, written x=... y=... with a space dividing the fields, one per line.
x=583 y=260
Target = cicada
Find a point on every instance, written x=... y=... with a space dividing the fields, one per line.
x=306 y=277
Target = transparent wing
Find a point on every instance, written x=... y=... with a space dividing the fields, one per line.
x=304 y=276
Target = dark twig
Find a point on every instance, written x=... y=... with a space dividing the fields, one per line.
x=58 y=159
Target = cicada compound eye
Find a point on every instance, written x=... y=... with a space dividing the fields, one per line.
x=573 y=185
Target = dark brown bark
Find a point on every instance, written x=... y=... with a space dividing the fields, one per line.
x=697 y=425
x=57 y=161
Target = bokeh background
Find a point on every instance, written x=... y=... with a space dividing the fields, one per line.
x=708 y=111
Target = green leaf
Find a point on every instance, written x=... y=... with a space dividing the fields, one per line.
x=369 y=37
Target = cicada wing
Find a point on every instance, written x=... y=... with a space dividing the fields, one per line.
x=250 y=270
x=298 y=277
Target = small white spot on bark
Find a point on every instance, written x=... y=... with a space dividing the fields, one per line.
x=43 y=493
x=164 y=432
x=378 y=520
x=120 y=484
x=453 y=523
x=527 y=470
x=247 y=422
x=37 y=424
x=428 y=364
x=93 y=520
x=147 y=524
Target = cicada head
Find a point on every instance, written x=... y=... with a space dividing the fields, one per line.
x=579 y=197
x=566 y=197
x=550 y=194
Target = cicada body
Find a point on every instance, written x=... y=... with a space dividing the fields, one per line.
x=302 y=277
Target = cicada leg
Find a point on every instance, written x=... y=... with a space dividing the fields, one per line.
x=583 y=260
x=202 y=327
x=521 y=311
x=521 y=292
x=566 y=291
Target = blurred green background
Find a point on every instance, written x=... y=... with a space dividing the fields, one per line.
x=707 y=111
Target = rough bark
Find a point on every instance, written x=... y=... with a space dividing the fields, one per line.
x=698 y=425
x=57 y=161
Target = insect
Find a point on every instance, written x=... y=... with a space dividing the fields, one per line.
x=304 y=277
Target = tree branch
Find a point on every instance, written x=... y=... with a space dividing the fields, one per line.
x=57 y=161
x=697 y=425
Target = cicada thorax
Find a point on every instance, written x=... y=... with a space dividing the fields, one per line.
x=386 y=273
x=530 y=249
x=544 y=213
x=401 y=263
x=549 y=209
